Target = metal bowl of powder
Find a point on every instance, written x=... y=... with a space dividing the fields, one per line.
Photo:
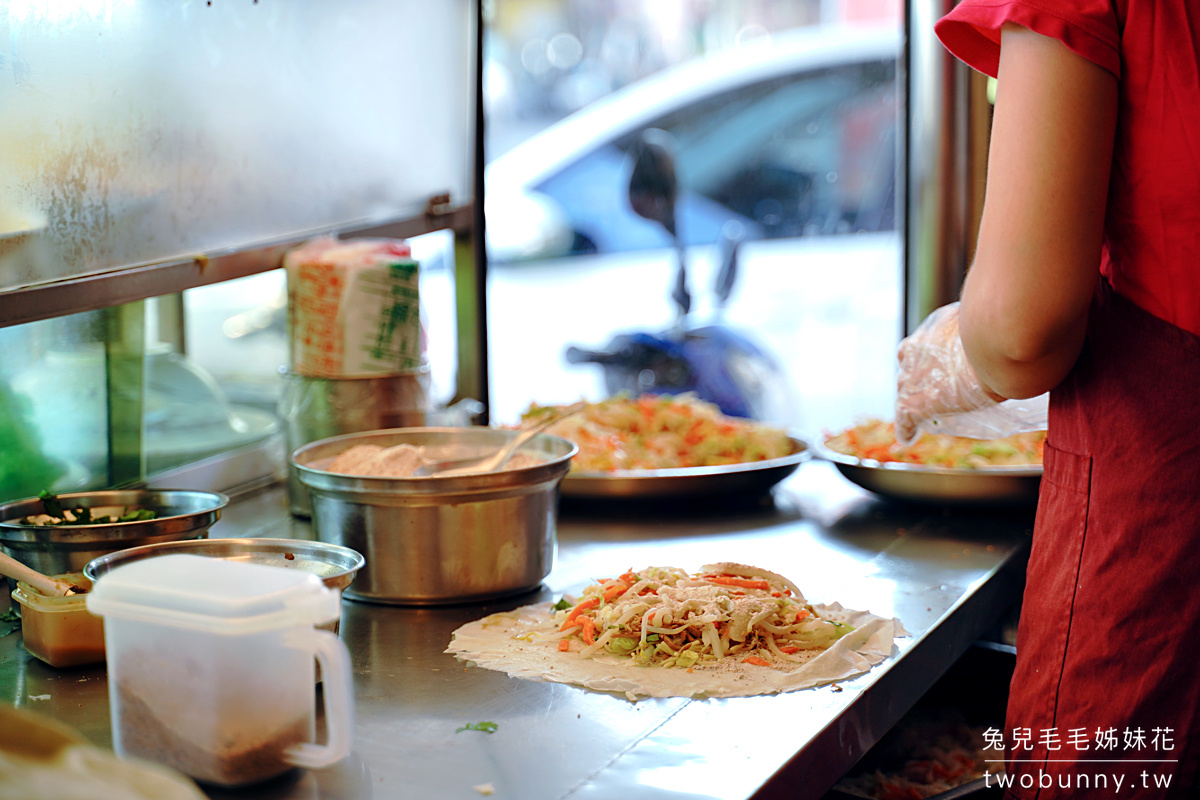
x=439 y=539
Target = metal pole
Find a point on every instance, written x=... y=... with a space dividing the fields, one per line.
x=938 y=204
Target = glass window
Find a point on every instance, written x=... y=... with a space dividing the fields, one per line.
x=782 y=132
x=136 y=131
x=63 y=383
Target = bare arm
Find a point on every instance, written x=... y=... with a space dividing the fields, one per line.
x=1025 y=301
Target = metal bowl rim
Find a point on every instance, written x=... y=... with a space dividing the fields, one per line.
x=219 y=502
x=263 y=544
x=430 y=481
x=801 y=453
x=822 y=451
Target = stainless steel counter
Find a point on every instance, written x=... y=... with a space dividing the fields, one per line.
x=948 y=576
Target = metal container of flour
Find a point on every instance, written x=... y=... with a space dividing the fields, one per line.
x=440 y=539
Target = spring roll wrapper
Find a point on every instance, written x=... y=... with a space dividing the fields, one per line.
x=353 y=308
x=503 y=642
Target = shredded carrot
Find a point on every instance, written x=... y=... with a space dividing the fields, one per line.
x=588 y=634
x=614 y=589
x=789 y=649
x=630 y=577
x=801 y=614
x=725 y=580
x=584 y=605
x=564 y=645
x=760 y=662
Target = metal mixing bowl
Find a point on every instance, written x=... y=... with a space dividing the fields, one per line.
x=335 y=565
x=55 y=549
x=439 y=540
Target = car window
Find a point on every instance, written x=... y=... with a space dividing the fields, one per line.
x=800 y=155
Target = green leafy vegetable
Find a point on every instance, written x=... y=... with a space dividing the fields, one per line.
x=83 y=515
x=486 y=727
x=50 y=503
x=561 y=605
x=621 y=646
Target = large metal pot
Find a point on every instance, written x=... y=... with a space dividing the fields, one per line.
x=439 y=540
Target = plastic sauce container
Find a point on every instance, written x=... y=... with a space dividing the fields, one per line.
x=210 y=667
x=60 y=630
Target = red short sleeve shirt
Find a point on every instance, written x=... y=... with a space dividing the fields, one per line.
x=1152 y=228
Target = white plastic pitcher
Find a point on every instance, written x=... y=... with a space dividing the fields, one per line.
x=211 y=667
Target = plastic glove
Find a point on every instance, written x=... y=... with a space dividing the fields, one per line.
x=938 y=391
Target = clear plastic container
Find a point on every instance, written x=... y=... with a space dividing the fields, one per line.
x=211 y=667
x=60 y=630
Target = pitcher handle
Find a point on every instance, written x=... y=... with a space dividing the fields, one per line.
x=338 y=693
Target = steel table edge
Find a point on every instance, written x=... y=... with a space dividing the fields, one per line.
x=813 y=771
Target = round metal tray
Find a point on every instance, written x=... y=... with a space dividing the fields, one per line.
x=745 y=478
x=981 y=486
x=335 y=565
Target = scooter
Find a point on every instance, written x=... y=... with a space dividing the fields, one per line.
x=714 y=362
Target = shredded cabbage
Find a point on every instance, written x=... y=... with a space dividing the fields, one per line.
x=666 y=617
x=662 y=432
x=875 y=440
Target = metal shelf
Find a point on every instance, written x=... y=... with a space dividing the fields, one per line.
x=139 y=282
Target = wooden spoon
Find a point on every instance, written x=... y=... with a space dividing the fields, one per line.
x=43 y=583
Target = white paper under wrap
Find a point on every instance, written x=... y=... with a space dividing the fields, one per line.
x=353 y=308
x=503 y=642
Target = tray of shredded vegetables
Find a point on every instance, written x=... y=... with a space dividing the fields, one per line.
x=948 y=470
x=658 y=446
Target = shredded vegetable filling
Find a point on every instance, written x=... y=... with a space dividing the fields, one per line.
x=666 y=617
x=876 y=440
x=662 y=432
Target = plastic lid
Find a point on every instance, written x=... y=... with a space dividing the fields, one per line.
x=190 y=588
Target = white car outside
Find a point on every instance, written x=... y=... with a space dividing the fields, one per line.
x=823 y=297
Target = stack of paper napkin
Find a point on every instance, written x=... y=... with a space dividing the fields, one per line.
x=353 y=308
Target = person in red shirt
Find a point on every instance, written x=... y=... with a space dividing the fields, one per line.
x=1086 y=284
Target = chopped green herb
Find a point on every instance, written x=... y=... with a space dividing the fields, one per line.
x=486 y=727
x=82 y=515
x=50 y=503
x=561 y=605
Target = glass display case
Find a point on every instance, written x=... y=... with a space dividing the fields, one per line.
x=156 y=161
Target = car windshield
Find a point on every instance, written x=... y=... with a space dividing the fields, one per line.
x=798 y=155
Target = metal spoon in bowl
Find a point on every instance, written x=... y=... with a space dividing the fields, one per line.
x=43 y=583
x=495 y=461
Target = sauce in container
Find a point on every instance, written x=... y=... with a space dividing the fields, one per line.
x=60 y=630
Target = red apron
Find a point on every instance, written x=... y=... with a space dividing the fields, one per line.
x=1107 y=682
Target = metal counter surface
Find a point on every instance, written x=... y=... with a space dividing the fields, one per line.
x=948 y=576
